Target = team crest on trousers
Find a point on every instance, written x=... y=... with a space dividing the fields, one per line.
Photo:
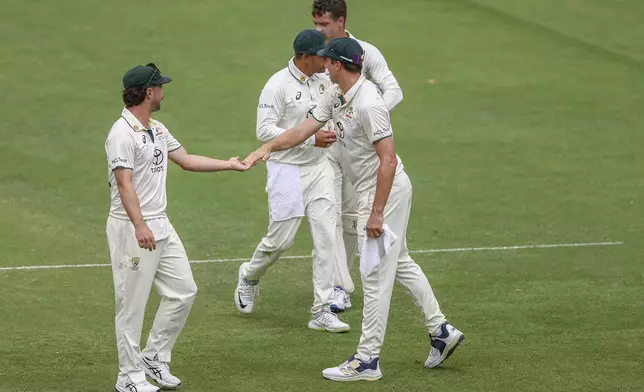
x=135 y=263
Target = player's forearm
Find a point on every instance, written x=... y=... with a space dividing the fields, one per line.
x=384 y=182
x=131 y=203
x=295 y=136
x=393 y=94
x=392 y=98
x=198 y=163
x=266 y=133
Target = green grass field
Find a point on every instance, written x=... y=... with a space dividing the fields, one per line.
x=530 y=133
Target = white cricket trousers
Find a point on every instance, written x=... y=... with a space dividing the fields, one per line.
x=396 y=265
x=135 y=270
x=319 y=205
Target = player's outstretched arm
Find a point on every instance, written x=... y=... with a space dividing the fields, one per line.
x=289 y=139
x=198 y=163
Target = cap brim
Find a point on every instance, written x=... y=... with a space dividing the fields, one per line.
x=164 y=80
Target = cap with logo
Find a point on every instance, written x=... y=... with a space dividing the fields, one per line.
x=144 y=76
x=308 y=42
x=346 y=50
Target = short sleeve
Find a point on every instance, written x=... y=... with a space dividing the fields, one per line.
x=375 y=121
x=173 y=144
x=120 y=150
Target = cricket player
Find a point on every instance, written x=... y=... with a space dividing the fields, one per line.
x=384 y=194
x=144 y=248
x=329 y=17
x=300 y=182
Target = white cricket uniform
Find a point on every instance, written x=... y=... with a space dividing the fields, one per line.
x=131 y=146
x=361 y=119
x=375 y=69
x=300 y=181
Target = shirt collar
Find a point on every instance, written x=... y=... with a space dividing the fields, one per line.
x=353 y=91
x=134 y=122
x=295 y=71
x=350 y=35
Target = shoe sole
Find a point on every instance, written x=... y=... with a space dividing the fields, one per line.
x=239 y=277
x=450 y=351
x=118 y=390
x=166 y=388
x=324 y=329
x=359 y=377
x=160 y=383
x=163 y=388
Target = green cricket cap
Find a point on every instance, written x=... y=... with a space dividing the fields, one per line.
x=346 y=50
x=308 y=42
x=144 y=76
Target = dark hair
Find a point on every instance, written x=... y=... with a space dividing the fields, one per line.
x=337 y=8
x=353 y=68
x=134 y=96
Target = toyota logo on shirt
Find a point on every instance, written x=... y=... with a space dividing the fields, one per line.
x=157 y=159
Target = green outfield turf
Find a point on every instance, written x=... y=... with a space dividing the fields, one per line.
x=521 y=125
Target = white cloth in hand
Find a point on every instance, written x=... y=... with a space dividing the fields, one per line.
x=374 y=249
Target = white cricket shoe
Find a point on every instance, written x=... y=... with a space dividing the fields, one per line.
x=354 y=370
x=337 y=303
x=329 y=322
x=159 y=372
x=443 y=345
x=130 y=386
x=245 y=292
x=341 y=300
x=347 y=300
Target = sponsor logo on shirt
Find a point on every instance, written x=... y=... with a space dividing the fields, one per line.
x=340 y=131
x=322 y=88
x=266 y=106
x=298 y=96
x=382 y=132
x=349 y=113
x=118 y=160
x=157 y=159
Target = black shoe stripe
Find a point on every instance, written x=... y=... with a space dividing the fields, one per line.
x=241 y=304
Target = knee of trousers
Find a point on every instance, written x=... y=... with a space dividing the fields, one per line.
x=278 y=246
x=350 y=223
x=187 y=293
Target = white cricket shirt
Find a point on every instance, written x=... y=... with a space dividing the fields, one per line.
x=375 y=69
x=130 y=145
x=361 y=119
x=285 y=101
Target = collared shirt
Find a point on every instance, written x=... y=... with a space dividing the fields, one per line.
x=361 y=119
x=375 y=69
x=285 y=101
x=145 y=151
